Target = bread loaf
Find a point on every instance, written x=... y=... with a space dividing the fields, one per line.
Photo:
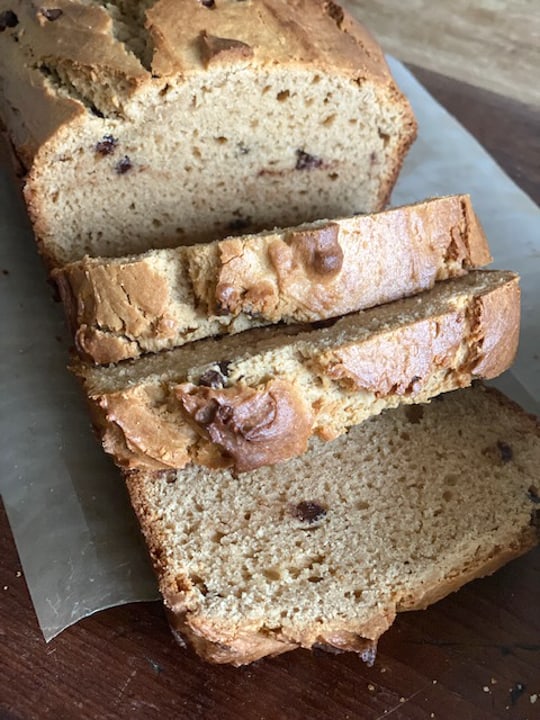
x=256 y=399
x=324 y=550
x=121 y=308
x=145 y=124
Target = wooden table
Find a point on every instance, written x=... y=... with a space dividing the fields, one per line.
x=473 y=656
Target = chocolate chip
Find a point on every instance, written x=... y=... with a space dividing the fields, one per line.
x=239 y=224
x=210 y=4
x=211 y=379
x=215 y=378
x=533 y=495
x=207 y=413
x=95 y=111
x=107 y=145
x=308 y=511
x=505 y=451
x=8 y=19
x=413 y=386
x=5 y=272
x=224 y=366
x=414 y=413
x=123 y=166
x=51 y=13
x=305 y=161
x=335 y=12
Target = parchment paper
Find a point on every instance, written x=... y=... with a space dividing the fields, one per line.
x=75 y=533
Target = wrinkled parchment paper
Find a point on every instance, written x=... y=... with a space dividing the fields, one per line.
x=76 y=536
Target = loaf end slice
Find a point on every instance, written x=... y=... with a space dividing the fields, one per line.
x=157 y=124
x=121 y=308
x=324 y=550
x=256 y=399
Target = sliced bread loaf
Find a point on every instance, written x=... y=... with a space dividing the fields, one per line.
x=255 y=399
x=325 y=549
x=157 y=123
x=121 y=308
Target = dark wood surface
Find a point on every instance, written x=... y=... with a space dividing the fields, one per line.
x=472 y=656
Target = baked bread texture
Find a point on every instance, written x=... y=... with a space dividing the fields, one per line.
x=121 y=308
x=256 y=399
x=155 y=123
x=323 y=551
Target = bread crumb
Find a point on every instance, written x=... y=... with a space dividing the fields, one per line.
x=533 y=698
x=485 y=688
x=402 y=700
x=493 y=681
x=18 y=573
x=6 y=587
x=383 y=669
x=371 y=687
x=434 y=682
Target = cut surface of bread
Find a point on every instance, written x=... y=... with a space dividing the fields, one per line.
x=121 y=308
x=159 y=123
x=256 y=399
x=324 y=550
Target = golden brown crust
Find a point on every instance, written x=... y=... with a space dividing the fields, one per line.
x=218 y=49
x=253 y=426
x=83 y=43
x=323 y=386
x=428 y=594
x=497 y=321
x=399 y=362
x=311 y=36
x=252 y=645
x=311 y=273
x=111 y=308
x=138 y=430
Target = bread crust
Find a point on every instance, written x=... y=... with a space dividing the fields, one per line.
x=245 y=640
x=84 y=39
x=407 y=358
x=92 y=71
x=310 y=273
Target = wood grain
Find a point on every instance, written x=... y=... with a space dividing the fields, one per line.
x=492 y=44
x=124 y=663
x=509 y=130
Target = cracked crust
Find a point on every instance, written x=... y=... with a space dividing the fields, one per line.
x=225 y=412
x=251 y=583
x=128 y=70
x=309 y=273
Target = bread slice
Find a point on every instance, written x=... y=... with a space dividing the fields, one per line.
x=161 y=123
x=256 y=399
x=324 y=550
x=121 y=308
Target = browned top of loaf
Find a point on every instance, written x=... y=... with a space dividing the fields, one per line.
x=125 y=48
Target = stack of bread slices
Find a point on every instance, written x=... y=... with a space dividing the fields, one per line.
x=267 y=395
